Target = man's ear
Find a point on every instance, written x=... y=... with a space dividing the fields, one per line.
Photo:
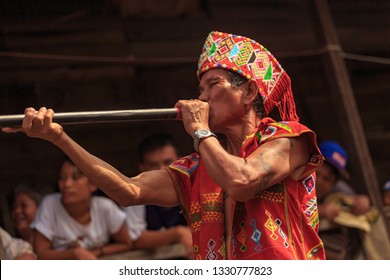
x=251 y=91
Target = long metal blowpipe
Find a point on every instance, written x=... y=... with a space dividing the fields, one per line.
x=94 y=117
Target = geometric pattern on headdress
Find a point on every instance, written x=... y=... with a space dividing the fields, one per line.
x=253 y=61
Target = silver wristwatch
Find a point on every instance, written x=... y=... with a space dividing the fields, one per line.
x=199 y=135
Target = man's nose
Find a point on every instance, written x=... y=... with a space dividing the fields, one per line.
x=67 y=182
x=203 y=96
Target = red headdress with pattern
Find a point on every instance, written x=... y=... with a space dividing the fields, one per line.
x=251 y=60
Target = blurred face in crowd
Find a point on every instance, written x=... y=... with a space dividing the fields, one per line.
x=23 y=211
x=158 y=158
x=75 y=187
x=326 y=178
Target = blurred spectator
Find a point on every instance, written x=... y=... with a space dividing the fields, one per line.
x=74 y=224
x=386 y=199
x=343 y=213
x=24 y=207
x=153 y=226
x=157 y=152
x=14 y=248
x=386 y=193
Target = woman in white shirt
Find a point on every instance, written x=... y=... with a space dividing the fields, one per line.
x=74 y=224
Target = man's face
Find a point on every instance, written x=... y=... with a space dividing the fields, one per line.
x=226 y=104
x=326 y=178
x=158 y=158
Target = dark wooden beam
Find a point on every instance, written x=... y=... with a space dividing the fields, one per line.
x=344 y=103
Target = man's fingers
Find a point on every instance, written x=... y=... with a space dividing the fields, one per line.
x=179 y=104
x=35 y=123
x=48 y=117
x=39 y=117
x=29 y=114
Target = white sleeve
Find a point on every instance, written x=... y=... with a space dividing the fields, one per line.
x=44 y=219
x=135 y=220
x=116 y=217
x=14 y=247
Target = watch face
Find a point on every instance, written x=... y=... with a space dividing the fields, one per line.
x=203 y=132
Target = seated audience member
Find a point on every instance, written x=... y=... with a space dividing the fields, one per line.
x=24 y=207
x=342 y=212
x=157 y=152
x=73 y=224
x=14 y=248
x=152 y=226
x=386 y=198
x=386 y=193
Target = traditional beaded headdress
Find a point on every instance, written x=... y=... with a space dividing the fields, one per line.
x=251 y=60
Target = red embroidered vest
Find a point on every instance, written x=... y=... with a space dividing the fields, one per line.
x=280 y=223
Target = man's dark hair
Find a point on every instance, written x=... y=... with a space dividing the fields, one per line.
x=154 y=142
x=236 y=80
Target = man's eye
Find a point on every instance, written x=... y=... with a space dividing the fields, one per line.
x=212 y=84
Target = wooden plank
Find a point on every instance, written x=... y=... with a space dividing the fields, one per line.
x=361 y=163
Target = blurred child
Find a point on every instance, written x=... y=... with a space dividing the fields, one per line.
x=74 y=224
x=24 y=208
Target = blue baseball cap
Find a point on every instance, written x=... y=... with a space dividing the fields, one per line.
x=335 y=155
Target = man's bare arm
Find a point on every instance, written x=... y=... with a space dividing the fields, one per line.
x=268 y=165
x=153 y=187
x=149 y=188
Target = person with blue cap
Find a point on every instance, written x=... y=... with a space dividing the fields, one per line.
x=331 y=179
x=340 y=209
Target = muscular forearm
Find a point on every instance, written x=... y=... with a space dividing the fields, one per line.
x=100 y=173
x=225 y=169
x=269 y=164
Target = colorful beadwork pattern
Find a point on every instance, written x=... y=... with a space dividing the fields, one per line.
x=271 y=226
x=195 y=216
x=279 y=223
x=253 y=61
x=222 y=249
x=281 y=232
x=311 y=212
x=256 y=235
x=211 y=255
x=270 y=195
x=282 y=125
x=212 y=205
x=180 y=166
x=241 y=237
x=309 y=184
